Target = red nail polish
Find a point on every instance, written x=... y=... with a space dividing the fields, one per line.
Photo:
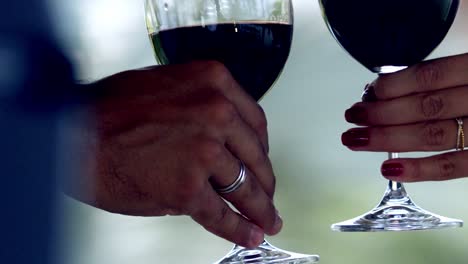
x=357 y=137
x=356 y=115
x=392 y=169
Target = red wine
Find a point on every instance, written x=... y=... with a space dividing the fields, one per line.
x=254 y=52
x=381 y=33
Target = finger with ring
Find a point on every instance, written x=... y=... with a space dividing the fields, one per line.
x=247 y=195
x=236 y=184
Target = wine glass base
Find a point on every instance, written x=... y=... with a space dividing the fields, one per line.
x=396 y=218
x=266 y=254
x=396 y=212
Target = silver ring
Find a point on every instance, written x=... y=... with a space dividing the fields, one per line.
x=236 y=184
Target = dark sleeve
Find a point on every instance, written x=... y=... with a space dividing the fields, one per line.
x=34 y=80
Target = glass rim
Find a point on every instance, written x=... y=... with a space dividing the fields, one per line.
x=155 y=23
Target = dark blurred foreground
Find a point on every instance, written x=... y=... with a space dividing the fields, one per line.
x=34 y=80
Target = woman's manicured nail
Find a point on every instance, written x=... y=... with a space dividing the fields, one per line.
x=356 y=115
x=357 y=137
x=392 y=169
x=369 y=94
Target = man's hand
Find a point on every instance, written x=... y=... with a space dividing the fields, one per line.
x=166 y=135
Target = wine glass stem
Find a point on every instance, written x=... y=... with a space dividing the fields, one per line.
x=393 y=184
x=218 y=7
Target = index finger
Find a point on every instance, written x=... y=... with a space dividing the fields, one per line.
x=437 y=74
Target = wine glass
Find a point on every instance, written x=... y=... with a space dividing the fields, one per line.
x=252 y=38
x=386 y=36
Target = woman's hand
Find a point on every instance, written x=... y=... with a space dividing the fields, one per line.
x=164 y=136
x=415 y=110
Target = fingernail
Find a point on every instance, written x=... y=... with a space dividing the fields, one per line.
x=356 y=114
x=278 y=223
x=369 y=94
x=256 y=237
x=357 y=137
x=392 y=169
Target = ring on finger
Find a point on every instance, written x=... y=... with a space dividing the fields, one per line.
x=237 y=182
x=460 y=135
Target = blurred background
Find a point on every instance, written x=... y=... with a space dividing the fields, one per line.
x=319 y=181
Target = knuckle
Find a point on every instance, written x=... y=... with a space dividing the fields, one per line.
x=215 y=66
x=427 y=75
x=218 y=73
x=382 y=137
x=431 y=105
x=446 y=168
x=433 y=135
x=416 y=173
x=222 y=111
x=209 y=151
x=381 y=87
x=379 y=114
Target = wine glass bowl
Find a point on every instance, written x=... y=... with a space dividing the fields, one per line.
x=252 y=39
x=387 y=36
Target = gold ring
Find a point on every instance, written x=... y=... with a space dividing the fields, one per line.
x=460 y=135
